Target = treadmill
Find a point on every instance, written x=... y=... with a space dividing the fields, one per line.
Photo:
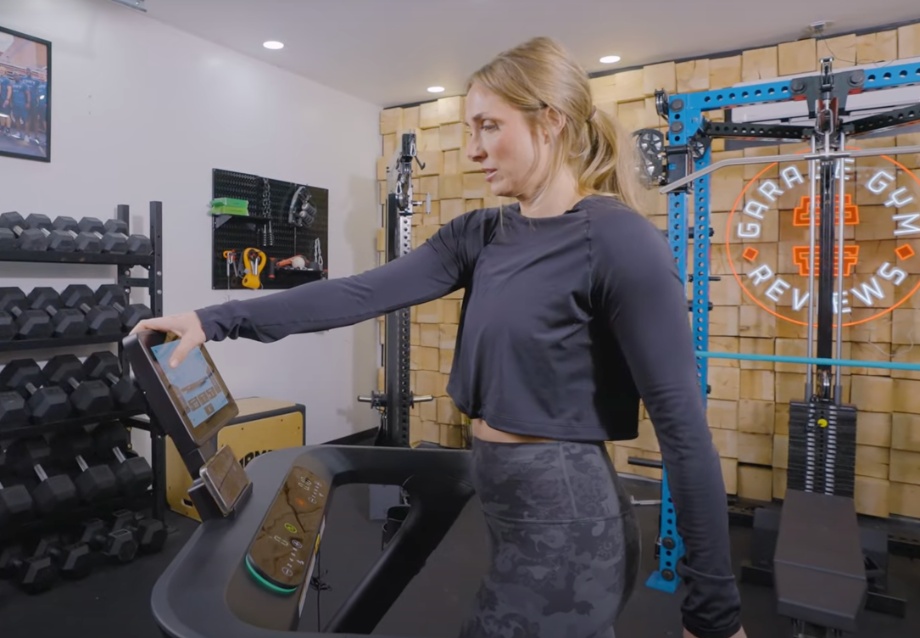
x=246 y=570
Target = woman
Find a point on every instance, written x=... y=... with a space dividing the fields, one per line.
x=573 y=311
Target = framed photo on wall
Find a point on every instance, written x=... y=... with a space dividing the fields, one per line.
x=25 y=96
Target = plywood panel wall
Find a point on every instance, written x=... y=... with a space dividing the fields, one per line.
x=748 y=407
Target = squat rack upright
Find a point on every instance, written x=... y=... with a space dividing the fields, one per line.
x=682 y=168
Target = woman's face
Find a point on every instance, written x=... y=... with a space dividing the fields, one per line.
x=501 y=140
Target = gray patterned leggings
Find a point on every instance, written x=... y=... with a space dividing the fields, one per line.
x=564 y=540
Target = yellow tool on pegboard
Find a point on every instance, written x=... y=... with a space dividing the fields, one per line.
x=254 y=261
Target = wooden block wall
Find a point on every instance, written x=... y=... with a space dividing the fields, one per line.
x=748 y=407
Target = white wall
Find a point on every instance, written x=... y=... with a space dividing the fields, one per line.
x=142 y=111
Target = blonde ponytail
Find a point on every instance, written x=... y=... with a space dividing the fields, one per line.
x=540 y=74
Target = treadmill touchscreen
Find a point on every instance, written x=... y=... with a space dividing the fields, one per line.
x=193 y=383
x=191 y=402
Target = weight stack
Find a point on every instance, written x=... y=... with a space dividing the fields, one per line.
x=822 y=448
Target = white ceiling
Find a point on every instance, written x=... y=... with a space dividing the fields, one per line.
x=389 y=51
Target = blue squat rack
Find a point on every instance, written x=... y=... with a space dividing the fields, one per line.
x=687 y=163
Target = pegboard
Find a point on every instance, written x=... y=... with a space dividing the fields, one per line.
x=267 y=228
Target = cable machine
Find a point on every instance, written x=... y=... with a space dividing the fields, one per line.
x=394 y=403
x=822 y=430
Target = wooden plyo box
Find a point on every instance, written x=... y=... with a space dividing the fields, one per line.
x=262 y=425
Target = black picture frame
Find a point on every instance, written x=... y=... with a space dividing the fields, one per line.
x=25 y=67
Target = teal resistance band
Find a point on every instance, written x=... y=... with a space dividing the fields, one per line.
x=888 y=365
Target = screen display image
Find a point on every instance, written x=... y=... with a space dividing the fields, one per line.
x=25 y=83
x=193 y=382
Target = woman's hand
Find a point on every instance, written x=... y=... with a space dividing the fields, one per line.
x=740 y=634
x=186 y=326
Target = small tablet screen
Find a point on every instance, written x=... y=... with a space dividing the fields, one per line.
x=193 y=383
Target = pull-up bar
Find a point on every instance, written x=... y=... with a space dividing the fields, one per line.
x=788 y=157
x=852 y=363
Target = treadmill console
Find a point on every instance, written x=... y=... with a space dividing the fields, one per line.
x=281 y=555
x=191 y=402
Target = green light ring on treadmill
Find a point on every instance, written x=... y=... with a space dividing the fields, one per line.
x=268 y=585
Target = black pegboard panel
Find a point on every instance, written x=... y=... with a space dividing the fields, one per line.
x=267 y=229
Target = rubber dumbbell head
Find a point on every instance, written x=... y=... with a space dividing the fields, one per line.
x=84 y=242
x=134 y=473
x=13 y=411
x=15 y=506
x=114 y=296
x=94 y=483
x=125 y=392
x=8 y=239
x=58 y=240
x=87 y=396
x=74 y=561
x=118 y=545
x=33 y=574
x=8 y=327
x=45 y=404
x=26 y=238
x=67 y=322
x=149 y=533
x=30 y=324
x=99 y=320
x=54 y=494
x=113 y=241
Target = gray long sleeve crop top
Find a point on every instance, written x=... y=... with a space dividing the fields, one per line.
x=566 y=322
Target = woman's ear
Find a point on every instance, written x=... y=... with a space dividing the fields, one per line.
x=553 y=121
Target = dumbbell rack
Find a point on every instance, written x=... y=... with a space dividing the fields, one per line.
x=153 y=263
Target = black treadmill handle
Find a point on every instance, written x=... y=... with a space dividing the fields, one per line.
x=191 y=597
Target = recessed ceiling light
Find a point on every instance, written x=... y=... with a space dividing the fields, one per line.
x=610 y=59
x=273 y=44
x=435 y=89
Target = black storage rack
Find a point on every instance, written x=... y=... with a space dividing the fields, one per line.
x=153 y=282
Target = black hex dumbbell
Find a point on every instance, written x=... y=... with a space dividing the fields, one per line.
x=15 y=506
x=67 y=322
x=8 y=239
x=104 y=365
x=73 y=561
x=84 y=242
x=34 y=574
x=118 y=544
x=8 y=327
x=134 y=473
x=139 y=245
x=58 y=240
x=87 y=396
x=45 y=404
x=109 y=233
x=26 y=238
x=30 y=324
x=53 y=494
x=113 y=296
x=96 y=483
x=13 y=411
x=99 y=320
x=149 y=533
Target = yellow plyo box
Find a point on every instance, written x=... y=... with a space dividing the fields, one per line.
x=262 y=425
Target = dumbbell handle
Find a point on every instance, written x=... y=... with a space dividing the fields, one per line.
x=83 y=465
x=51 y=309
x=72 y=382
x=119 y=455
x=40 y=473
x=28 y=387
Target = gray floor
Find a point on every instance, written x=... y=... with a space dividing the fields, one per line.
x=115 y=600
